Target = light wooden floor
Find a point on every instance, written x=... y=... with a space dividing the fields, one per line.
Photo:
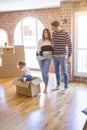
x=51 y=111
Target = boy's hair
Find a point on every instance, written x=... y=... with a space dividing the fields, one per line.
x=55 y=23
x=21 y=63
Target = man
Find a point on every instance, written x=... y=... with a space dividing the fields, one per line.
x=61 y=57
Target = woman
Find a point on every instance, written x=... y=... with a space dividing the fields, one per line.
x=44 y=55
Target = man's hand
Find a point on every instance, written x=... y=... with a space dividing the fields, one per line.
x=68 y=60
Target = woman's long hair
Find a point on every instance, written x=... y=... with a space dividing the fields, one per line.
x=49 y=35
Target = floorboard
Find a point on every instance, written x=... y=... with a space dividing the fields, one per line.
x=51 y=111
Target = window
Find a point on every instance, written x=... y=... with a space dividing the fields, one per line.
x=27 y=32
x=80 y=55
x=3 y=37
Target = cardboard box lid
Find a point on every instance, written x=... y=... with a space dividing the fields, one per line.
x=36 y=81
x=26 y=84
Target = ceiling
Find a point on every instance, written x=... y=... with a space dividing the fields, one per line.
x=13 y=5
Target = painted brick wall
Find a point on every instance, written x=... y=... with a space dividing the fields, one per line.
x=8 y=21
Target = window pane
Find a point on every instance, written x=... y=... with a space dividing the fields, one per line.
x=29 y=32
x=30 y=57
x=3 y=37
x=82 y=32
x=80 y=66
x=40 y=29
x=82 y=61
x=18 y=35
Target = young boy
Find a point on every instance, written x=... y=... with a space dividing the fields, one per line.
x=25 y=76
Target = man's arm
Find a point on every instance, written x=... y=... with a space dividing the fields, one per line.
x=69 y=43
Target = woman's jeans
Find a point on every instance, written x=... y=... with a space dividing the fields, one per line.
x=44 y=66
x=61 y=61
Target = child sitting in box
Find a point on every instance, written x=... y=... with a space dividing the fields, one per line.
x=26 y=76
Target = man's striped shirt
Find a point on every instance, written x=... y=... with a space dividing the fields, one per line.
x=61 y=41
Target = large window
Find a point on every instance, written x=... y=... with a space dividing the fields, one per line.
x=3 y=37
x=80 y=55
x=27 y=32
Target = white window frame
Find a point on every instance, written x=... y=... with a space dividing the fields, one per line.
x=76 y=56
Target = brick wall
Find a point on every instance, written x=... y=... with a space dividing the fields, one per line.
x=8 y=21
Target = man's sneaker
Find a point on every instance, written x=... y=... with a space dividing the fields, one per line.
x=56 y=88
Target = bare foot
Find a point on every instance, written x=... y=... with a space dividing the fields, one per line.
x=45 y=90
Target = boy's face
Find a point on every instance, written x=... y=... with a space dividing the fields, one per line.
x=21 y=66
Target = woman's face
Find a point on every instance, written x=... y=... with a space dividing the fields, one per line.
x=45 y=34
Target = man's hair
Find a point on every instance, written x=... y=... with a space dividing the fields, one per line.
x=55 y=23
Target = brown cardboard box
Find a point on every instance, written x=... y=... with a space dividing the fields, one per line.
x=8 y=50
x=28 y=88
x=11 y=59
x=19 y=49
x=9 y=71
x=1 y=50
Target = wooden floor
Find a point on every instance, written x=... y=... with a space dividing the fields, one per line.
x=51 y=111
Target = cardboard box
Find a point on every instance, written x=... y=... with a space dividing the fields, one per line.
x=28 y=88
x=19 y=49
x=1 y=51
x=8 y=50
x=11 y=59
x=9 y=71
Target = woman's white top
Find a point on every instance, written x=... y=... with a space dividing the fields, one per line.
x=46 y=53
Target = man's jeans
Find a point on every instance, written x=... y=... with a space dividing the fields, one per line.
x=44 y=66
x=61 y=61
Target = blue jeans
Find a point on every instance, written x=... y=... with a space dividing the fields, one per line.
x=44 y=66
x=61 y=61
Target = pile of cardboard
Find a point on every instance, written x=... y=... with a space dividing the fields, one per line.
x=10 y=57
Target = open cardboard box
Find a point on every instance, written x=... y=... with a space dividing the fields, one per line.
x=28 y=88
x=9 y=49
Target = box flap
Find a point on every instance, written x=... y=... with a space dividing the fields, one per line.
x=24 y=84
x=36 y=81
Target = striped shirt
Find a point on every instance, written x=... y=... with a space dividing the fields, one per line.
x=61 y=41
